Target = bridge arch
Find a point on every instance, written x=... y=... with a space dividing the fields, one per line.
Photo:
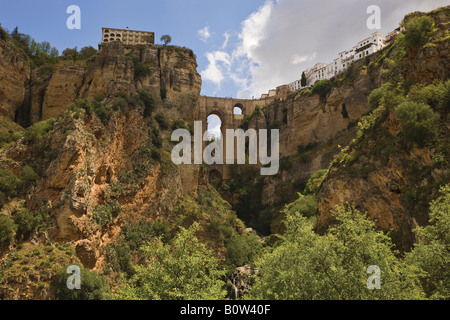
x=224 y=108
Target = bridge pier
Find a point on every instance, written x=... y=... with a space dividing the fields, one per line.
x=224 y=109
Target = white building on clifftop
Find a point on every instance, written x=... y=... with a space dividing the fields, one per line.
x=322 y=71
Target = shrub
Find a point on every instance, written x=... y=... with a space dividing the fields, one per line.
x=7 y=229
x=28 y=176
x=314 y=183
x=87 y=52
x=305 y=205
x=162 y=121
x=28 y=222
x=187 y=267
x=141 y=69
x=38 y=135
x=100 y=109
x=103 y=215
x=310 y=146
x=419 y=122
x=242 y=249
x=375 y=97
x=156 y=154
x=148 y=100
x=118 y=256
x=3 y=199
x=285 y=164
x=155 y=137
x=93 y=286
x=179 y=124
x=163 y=93
x=322 y=88
x=119 y=103
x=9 y=183
x=3 y=34
x=418 y=31
x=436 y=96
x=431 y=253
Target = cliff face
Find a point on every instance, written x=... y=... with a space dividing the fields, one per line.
x=14 y=79
x=390 y=182
x=85 y=158
x=31 y=97
x=308 y=119
x=330 y=122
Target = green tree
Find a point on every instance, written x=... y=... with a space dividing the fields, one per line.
x=28 y=222
x=322 y=88
x=9 y=183
x=436 y=96
x=314 y=183
x=419 y=121
x=93 y=286
x=7 y=229
x=303 y=80
x=184 y=269
x=87 y=52
x=162 y=120
x=242 y=249
x=28 y=176
x=4 y=35
x=305 y=205
x=431 y=253
x=166 y=39
x=148 y=100
x=71 y=54
x=418 y=31
x=308 y=266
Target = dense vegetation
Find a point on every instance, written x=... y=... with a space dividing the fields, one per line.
x=43 y=55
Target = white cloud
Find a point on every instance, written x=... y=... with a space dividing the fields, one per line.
x=297 y=59
x=204 y=34
x=253 y=30
x=227 y=39
x=282 y=38
x=219 y=62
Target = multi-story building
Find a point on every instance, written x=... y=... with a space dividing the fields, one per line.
x=296 y=85
x=127 y=37
x=323 y=71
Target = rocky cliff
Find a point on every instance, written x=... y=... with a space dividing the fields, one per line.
x=379 y=173
x=31 y=95
x=100 y=159
x=314 y=128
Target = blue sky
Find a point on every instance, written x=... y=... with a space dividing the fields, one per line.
x=243 y=47
x=46 y=20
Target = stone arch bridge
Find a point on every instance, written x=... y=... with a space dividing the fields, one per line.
x=224 y=109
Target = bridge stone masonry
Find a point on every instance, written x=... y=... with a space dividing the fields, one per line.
x=224 y=109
